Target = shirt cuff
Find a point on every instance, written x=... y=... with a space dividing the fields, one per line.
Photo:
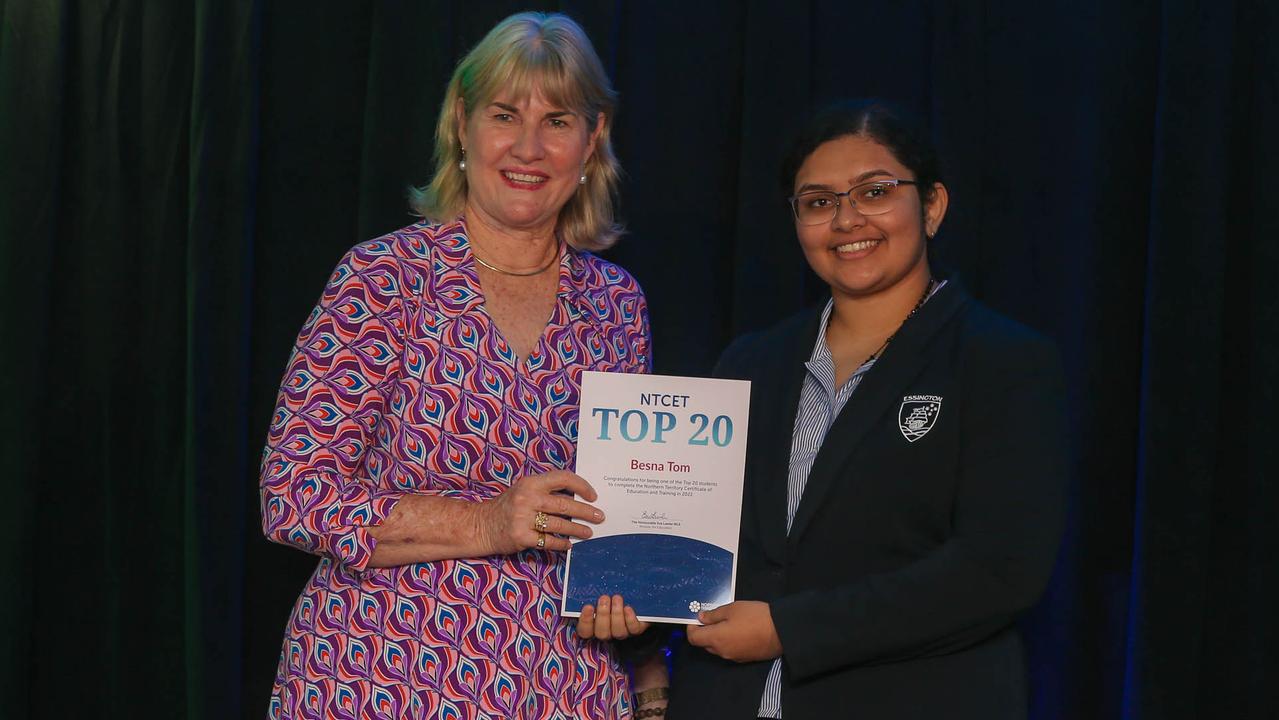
x=348 y=538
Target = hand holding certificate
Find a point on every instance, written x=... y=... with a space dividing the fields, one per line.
x=666 y=456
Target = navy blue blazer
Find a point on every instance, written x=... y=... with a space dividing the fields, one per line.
x=930 y=520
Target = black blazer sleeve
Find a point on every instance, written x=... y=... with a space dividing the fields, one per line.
x=1007 y=520
x=734 y=361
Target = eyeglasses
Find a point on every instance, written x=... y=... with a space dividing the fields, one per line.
x=873 y=198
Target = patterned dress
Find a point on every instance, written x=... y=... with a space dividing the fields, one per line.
x=401 y=383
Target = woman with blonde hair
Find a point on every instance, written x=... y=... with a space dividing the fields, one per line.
x=423 y=440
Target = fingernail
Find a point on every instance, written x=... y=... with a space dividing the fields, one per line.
x=599 y=515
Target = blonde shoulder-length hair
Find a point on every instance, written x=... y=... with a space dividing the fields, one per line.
x=528 y=52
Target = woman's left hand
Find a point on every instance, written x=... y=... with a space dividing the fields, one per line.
x=615 y=620
x=741 y=631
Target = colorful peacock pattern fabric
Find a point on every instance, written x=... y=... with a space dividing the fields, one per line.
x=400 y=383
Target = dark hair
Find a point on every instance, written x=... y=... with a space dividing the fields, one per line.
x=881 y=121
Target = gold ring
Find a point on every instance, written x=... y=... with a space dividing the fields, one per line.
x=541 y=541
x=539 y=521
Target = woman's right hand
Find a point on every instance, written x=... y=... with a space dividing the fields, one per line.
x=507 y=523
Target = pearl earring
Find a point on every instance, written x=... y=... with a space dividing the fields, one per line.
x=582 y=180
x=461 y=164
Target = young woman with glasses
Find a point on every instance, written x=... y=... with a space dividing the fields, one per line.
x=906 y=469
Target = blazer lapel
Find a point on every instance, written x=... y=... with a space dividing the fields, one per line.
x=776 y=413
x=879 y=393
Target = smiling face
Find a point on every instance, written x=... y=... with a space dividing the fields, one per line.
x=523 y=161
x=859 y=255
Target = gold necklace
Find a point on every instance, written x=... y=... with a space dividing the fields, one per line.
x=549 y=262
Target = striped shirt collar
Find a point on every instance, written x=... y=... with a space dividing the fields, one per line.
x=820 y=363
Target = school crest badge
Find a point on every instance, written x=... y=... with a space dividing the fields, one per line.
x=917 y=415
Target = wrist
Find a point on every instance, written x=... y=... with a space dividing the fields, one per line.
x=648 y=668
x=476 y=514
x=651 y=703
x=652 y=695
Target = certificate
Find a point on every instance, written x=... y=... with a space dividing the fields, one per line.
x=667 y=456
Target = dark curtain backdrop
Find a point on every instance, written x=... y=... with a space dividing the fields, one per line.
x=177 y=180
